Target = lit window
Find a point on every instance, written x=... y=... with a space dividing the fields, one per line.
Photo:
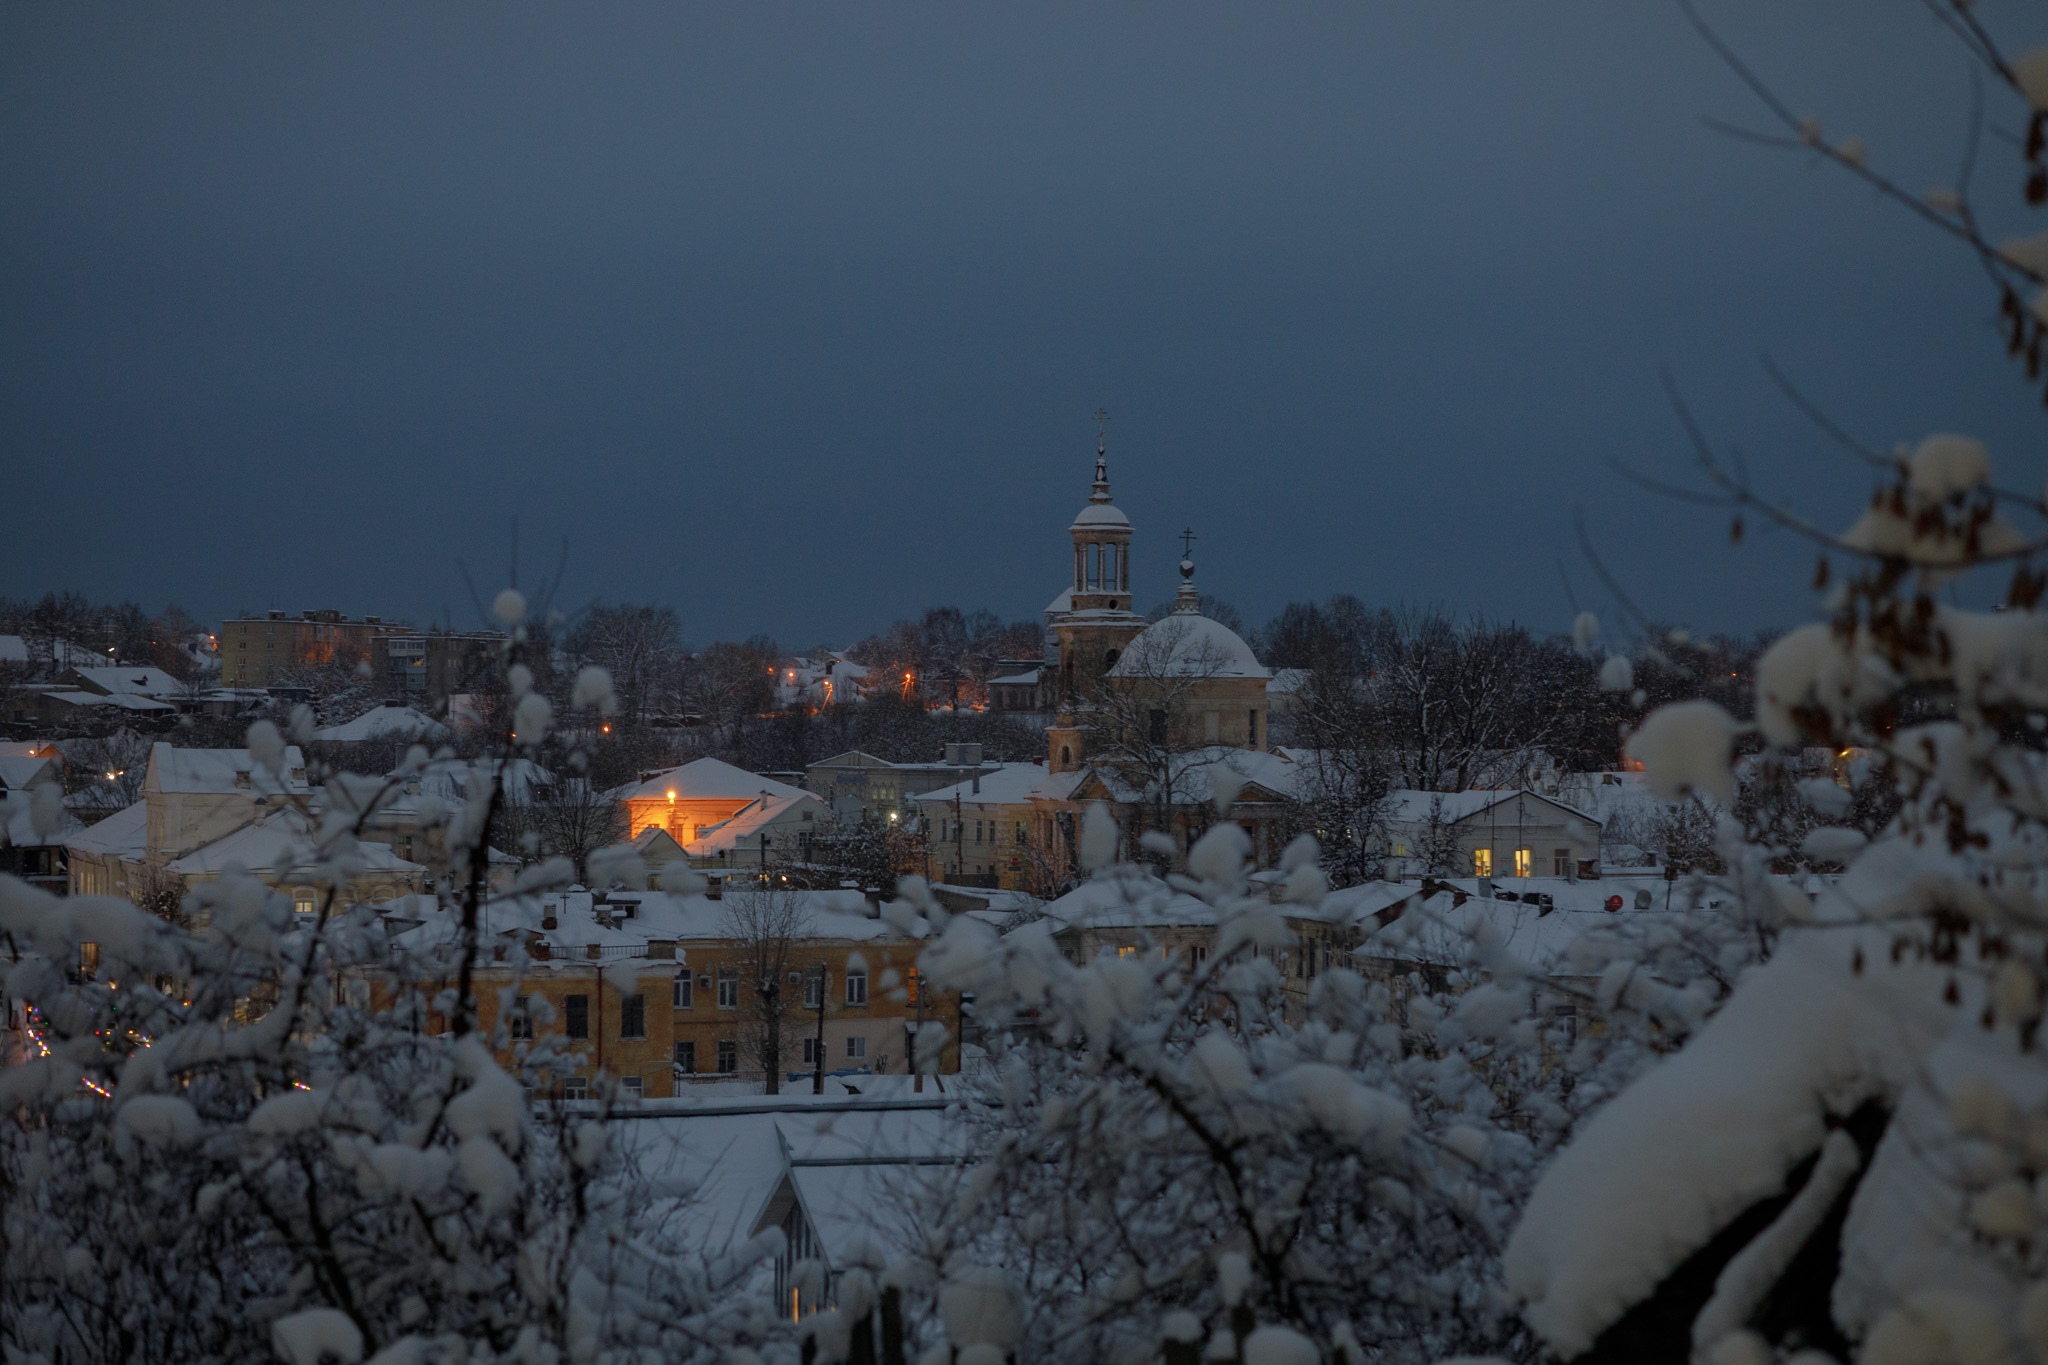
x=1127 y=951
x=1482 y=862
x=1524 y=858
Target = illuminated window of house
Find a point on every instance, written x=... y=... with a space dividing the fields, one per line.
x=910 y=985
x=88 y=959
x=1524 y=858
x=1127 y=951
x=1482 y=862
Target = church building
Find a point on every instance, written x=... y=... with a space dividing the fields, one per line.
x=1144 y=716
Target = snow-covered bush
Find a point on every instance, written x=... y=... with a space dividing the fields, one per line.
x=1171 y=1158
x=247 y=1136
x=1850 y=1159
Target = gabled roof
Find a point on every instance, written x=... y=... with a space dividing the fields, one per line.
x=763 y=814
x=124 y=834
x=1128 y=899
x=709 y=779
x=384 y=722
x=120 y=701
x=1010 y=784
x=18 y=771
x=129 y=682
x=220 y=771
x=853 y=758
x=280 y=847
x=1413 y=807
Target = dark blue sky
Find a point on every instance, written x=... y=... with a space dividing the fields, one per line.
x=792 y=316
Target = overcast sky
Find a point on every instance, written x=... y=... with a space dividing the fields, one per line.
x=793 y=317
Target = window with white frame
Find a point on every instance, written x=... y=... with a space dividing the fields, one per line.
x=856 y=984
x=856 y=1048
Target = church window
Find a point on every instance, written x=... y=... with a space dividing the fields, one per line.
x=1109 y=659
x=1066 y=756
x=1252 y=725
x=1158 y=727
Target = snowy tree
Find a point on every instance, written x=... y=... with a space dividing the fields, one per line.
x=258 y=1134
x=1845 y=1160
x=766 y=931
x=1170 y=1154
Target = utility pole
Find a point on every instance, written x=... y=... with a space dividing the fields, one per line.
x=916 y=1066
x=818 y=1053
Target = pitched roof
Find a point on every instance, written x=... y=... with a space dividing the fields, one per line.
x=220 y=771
x=709 y=779
x=280 y=847
x=384 y=722
x=750 y=821
x=1410 y=806
x=130 y=682
x=124 y=834
x=1009 y=785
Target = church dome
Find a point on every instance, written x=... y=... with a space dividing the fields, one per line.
x=1099 y=514
x=1187 y=644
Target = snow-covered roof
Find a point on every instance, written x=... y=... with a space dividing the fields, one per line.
x=280 y=847
x=709 y=779
x=750 y=821
x=124 y=834
x=131 y=682
x=1128 y=899
x=1061 y=605
x=1188 y=644
x=18 y=771
x=14 y=649
x=120 y=701
x=1193 y=780
x=1286 y=681
x=1016 y=678
x=384 y=722
x=220 y=771
x=1409 y=806
x=1009 y=784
